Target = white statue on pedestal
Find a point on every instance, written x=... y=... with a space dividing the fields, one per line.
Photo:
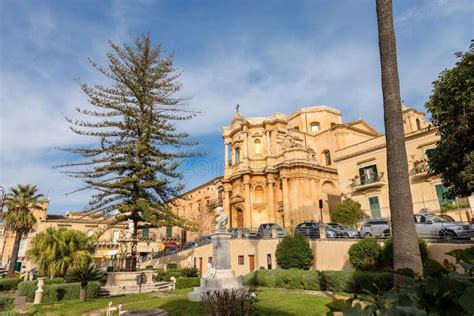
x=221 y=219
x=131 y=229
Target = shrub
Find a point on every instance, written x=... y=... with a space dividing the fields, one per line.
x=54 y=281
x=355 y=281
x=68 y=291
x=365 y=254
x=348 y=212
x=28 y=288
x=183 y=283
x=58 y=291
x=110 y=269
x=190 y=272
x=165 y=275
x=294 y=252
x=288 y=279
x=337 y=281
x=229 y=302
x=172 y=266
x=6 y=303
x=387 y=252
x=9 y=284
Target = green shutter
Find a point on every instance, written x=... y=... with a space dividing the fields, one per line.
x=374 y=207
x=169 y=231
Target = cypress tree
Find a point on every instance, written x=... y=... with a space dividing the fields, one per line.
x=134 y=166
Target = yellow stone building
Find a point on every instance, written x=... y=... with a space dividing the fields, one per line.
x=362 y=170
x=277 y=168
x=109 y=249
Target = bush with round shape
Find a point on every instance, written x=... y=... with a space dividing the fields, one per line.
x=349 y=213
x=294 y=252
x=365 y=254
x=386 y=257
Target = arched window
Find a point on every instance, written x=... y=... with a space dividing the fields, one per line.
x=259 y=195
x=418 y=125
x=327 y=157
x=258 y=147
x=237 y=155
x=315 y=127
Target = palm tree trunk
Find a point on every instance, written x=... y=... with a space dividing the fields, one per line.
x=14 y=256
x=406 y=253
x=83 y=292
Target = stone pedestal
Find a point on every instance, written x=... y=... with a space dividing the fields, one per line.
x=39 y=291
x=224 y=277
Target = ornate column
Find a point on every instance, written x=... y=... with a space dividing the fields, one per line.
x=226 y=155
x=286 y=201
x=267 y=133
x=247 y=203
x=271 y=201
x=245 y=149
x=227 y=206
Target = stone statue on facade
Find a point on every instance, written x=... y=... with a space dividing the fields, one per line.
x=221 y=219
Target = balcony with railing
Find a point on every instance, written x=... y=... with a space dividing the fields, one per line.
x=170 y=237
x=420 y=168
x=367 y=181
x=215 y=203
x=146 y=236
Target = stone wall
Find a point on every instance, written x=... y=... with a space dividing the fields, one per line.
x=329 y=255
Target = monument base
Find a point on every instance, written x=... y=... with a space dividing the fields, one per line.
x=224 y=279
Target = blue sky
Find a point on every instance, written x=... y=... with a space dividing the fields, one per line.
x=268 y=56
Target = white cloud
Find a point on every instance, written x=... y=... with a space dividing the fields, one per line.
x=434 y=8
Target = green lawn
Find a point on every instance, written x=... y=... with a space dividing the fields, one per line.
x=270 y=302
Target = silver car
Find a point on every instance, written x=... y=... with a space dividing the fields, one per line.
x=375 y=228
x=432 y=226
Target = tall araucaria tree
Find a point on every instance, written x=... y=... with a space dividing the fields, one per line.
x=19 y=219
x=452 y=110
x=134 y=165
x=406 y=254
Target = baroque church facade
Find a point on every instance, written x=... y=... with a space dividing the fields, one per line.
x=277 y=169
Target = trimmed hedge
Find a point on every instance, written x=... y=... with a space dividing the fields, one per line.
x=10 y=284
x=288 y=279
x=68 y=291
x=162 y=275
x=356 y=282
x=337 y=281
x=183 y=282
x=57 y=291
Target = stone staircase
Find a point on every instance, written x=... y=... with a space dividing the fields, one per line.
x=134 y=289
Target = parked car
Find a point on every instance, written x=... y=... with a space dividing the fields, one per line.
x=375 y=228
x=189 y=245
x=265 y=230
x=236 y=231
x=308 y=229
x=432 y=226
x=346 y=231
x=312 y=230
